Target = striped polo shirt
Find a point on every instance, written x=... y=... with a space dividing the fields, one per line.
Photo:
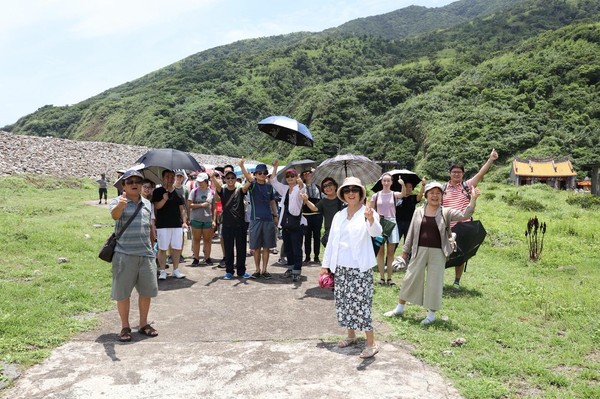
x=456 y=197
x=135 y=240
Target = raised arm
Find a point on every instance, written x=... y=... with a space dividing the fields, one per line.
x=484 y=169
x=247 y=174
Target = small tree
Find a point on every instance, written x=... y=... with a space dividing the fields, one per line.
x=536 y=243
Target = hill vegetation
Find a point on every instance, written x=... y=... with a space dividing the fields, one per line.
x=421 y=86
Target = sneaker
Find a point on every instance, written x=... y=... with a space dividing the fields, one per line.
x=317 y=261
x=246 y=275
x=162 y=275
x=427 y=321
x=393 y=313
x=222 y=263
x=456 y=286
x=209 y=262
x=195 y=262
x=255 y=275
x=181 y=259
x=306 y=261
x=296 y=278
x=266 y=276
x=178 y=274
x=99 y=202
x=281 y=261
x=228 y=276
x=287 y=274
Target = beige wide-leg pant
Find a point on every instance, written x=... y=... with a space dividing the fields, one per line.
x=424 y=278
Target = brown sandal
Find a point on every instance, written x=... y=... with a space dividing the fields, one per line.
x=125 y=334
x=346 y=342
x=148 y=331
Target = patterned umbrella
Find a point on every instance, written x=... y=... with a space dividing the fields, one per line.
x=342 y=166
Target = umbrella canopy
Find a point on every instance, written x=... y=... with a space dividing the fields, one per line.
x=148 y=174
x=300 y=166
x=286 y=129
x=169 y=158
x=405 y=174
x=346 y=165
x=469 y=236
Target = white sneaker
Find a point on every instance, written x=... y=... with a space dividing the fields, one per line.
x=427 y=321
x=177 y=274
x=393 y=313
x=162 y=275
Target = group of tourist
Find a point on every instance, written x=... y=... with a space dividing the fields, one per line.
x=254 y=210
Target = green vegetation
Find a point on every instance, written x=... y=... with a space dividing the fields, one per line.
x=531 y=329
x=421 y=86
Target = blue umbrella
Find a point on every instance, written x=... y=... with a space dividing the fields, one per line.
x=286 y=129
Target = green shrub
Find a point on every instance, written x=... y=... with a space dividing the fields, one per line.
x=586 y=201
x=514 y=199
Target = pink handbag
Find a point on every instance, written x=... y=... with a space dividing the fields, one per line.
x=326 y=281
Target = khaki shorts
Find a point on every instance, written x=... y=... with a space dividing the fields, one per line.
x=133 y=271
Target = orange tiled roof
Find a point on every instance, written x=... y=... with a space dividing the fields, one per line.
x=543 y=168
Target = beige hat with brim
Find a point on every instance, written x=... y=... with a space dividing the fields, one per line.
x=351 y=181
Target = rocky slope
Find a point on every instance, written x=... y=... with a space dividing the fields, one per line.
x=67 y=158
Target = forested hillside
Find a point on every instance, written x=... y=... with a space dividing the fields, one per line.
x=523 y=79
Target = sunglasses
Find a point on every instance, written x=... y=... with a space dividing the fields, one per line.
x=351 y=189
x=289 y=175
x=132 y=182
x=327 y=185
x=260 y=173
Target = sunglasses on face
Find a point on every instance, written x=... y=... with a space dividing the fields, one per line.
x=287 y=176
x=132 y=182
x=326 y=185
x=351 y=189
x=260 y=173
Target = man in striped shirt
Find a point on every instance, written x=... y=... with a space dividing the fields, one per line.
x=457 y=195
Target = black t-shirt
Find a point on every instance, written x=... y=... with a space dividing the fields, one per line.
x=233 y=212
x=328 y=208
x=405 y=210
x=169 y=215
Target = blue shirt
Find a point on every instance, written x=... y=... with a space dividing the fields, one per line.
x=261 y=196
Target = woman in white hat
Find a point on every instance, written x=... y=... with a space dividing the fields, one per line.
x=429 y=244
x=349 y=255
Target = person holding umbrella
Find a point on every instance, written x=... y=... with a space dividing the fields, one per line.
x=457 y=194
x=406 y=208
x=429 y=243
x=349 y=255
x=384 y=202
x=314 y=220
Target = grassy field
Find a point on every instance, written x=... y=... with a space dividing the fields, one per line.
x=531 y=328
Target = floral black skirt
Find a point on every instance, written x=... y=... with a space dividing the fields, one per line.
x=353 y=292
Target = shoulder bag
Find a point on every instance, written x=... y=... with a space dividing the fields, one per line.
x=108 y=249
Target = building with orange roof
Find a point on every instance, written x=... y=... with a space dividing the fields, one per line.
x=557 y=173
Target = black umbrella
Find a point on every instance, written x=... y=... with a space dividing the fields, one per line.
x=405 y=174
x=469 y=236
x=300 y=166
x=151 y=174
x=168 y=158
x=286 y=129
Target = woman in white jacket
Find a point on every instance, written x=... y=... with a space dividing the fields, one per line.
x=428 y=243
x=349 y=255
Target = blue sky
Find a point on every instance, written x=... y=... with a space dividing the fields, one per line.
x=64 y=51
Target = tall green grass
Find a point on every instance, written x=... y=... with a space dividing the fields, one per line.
x=532 y=328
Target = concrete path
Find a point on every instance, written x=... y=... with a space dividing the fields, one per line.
x=231 y=339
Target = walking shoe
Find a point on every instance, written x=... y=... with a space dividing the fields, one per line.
x=162 y=275
x=255 y=275
x=456 y=286
x=99 y=202
x=246 y=275
x=281 y=261
x=195 y=262
x=228 y=276
x=427 y=321
x=296 y=278
x=306 y=261
x=178 y=274
x=266 y=276
x=317 y=261
x=181 y=259
x=209 y=262
x=222 y=264
x=287 y=274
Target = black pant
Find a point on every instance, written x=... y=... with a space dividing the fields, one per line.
x=312 y=234
x=234 y=236
x=102 y=192
x=292 y=239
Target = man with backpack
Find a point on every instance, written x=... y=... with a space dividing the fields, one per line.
x=457 y=195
